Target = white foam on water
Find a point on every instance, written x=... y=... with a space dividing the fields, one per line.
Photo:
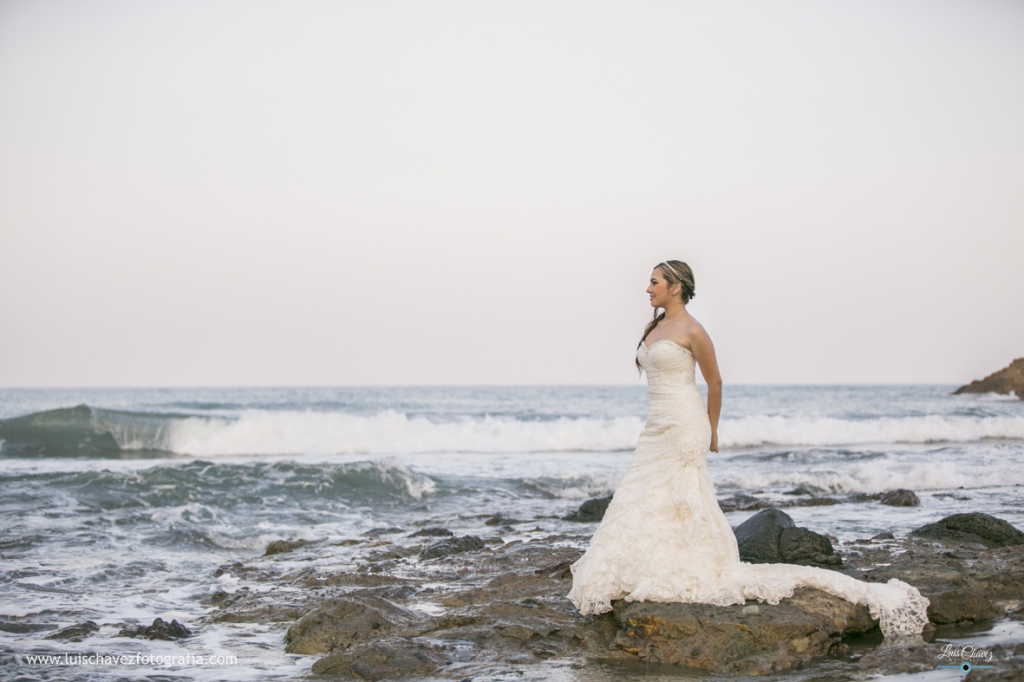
x=774 y=430
x=337 y=433
x=914 y=471
x=260 y=432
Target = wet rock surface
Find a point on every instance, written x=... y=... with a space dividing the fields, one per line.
x=964 y=583
x=467 y=543
x=901 y=497
x=751 y=639
x=591 y=510
x=158 y=630
x=396 y=660
x=76 y=633
x=973 y=528
x=340 y=623
x=744 y=502
x=432 y=533
x=494 y=604
x=284 y=546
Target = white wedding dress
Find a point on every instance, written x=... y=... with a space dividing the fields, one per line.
x=665 y=539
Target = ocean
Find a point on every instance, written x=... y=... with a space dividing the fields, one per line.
x=118 y=505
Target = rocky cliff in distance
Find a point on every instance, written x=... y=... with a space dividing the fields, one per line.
x=1007 y=380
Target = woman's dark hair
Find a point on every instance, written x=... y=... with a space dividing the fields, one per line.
x=675 y=272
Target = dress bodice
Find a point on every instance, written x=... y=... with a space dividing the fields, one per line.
x=673 y=401
x=667 y=363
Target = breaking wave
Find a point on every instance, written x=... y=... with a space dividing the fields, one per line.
x=93 y=432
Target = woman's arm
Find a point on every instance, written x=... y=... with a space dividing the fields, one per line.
x=704 y=352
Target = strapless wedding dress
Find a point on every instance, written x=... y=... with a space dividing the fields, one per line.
x=665 y=539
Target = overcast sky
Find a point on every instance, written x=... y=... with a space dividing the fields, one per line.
x=290 y=193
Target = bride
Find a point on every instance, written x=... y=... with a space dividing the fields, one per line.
x=663 y=537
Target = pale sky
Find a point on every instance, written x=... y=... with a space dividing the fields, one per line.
x=422 y=192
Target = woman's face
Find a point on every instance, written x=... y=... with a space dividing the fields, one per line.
x=659 y=290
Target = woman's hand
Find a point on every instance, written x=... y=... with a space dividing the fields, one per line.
x=714 y=441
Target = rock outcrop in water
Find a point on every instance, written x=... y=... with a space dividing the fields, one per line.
x=1010 y=379
x=160 y=629
x=76 y=633
x=496 y=607
x=901 y=497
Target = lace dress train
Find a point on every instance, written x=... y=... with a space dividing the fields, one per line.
x=665 y=539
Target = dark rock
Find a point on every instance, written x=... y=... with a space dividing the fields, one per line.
x=377 y=532
x=432 y=533
x=742 y=502
x=284 y=546
x=815 y=502
x=351 y=580
x=561 y=571
x=961 y=585
x=959 y=604
x=590 y=511
x=952 y=496
x=399 y=659
x=771 y=537
x=240 y=570
x=467 y=543
x=76 y=633
x=751 y=639
x=1010 y=379
x=158 y=630
x=886 y=535
x=803 y=546
x=502 y=622
x=973 y=528
x=343 y=622
x=758 y=536
x=901 y=497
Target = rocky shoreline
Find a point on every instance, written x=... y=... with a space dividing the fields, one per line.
x=1009 y=379
x=426 y=603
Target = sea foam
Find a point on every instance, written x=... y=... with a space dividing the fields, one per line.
x=264 y=432
x=395 y=433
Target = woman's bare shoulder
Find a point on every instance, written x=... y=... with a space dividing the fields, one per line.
x=696 y=332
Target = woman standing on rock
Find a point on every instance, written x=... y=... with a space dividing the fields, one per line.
x=664 y=537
